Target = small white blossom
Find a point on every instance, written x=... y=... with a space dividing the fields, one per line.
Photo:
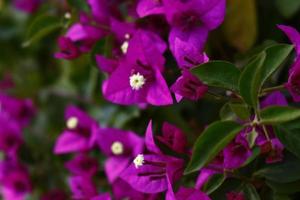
x=68 y=15
x=137 y=81
x=139 y=161
x=124 y=47
x=72 y=122
x=117 y=148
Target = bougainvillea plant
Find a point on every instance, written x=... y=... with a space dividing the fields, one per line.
x=149 y=99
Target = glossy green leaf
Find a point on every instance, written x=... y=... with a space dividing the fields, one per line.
x=290 y=138
x=218 y=74
x=214 y=138
x=288 y=8
x=241 y=110
x=249 y=82
x=275 y=55
x=214 y=183
x=41 y=27
x=226 y=113
x=250 y=192
x=283 y=172
x=240 y=25
x=284 y=188
x=278 y=114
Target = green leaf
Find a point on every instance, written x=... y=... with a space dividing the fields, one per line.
x=249 y=82
x=278 y=114
x=79 y=4
x=226 y=113
x=284 y=188
x=241 y=110
x=281 y=197
x=275 y=55
x=40 y=27
x=218 y=74
x=251 y=137
x=250 y=192
x=214 y=138
x=290 y=138
x=214 y=183
x=283 y=172
x=240 y=25
x=288 y=8
x=260 y=69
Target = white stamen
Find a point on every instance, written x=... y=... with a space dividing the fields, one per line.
x=72 y=122
x=68 y=15
x=124 y=47
x=117 y=148
x=127 y=36
x=228 y=93
x=139 y=161
x=137 y=81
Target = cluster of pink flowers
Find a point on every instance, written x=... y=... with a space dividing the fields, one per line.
x=140 y=33
x=15 y=115
x=137 y=63
x=135 y=69
x=135 y=167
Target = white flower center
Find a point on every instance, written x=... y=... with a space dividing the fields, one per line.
x=72 y=122
x=139 y=161
x=124 y=47
x=68 y=15
x=117 y=148
x=137 y=81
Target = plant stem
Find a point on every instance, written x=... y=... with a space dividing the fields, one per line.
x=272 y=89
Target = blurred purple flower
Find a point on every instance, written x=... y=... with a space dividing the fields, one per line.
x=120 y=147
x=68 y=50
x=171 y=136
x=28 y=6
x=55 y=195
x=80 y=37
x=78 y=135
x=150 y=7
x=293 y=84
x=188 y=55
x=10 y=136
x=122 y=190
x=15 y=181
x=82 y=165
x=188 y=86
x=82 y=187
x=235 y=196
x=187 y=194
x=19 y=110
x=104 y=196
